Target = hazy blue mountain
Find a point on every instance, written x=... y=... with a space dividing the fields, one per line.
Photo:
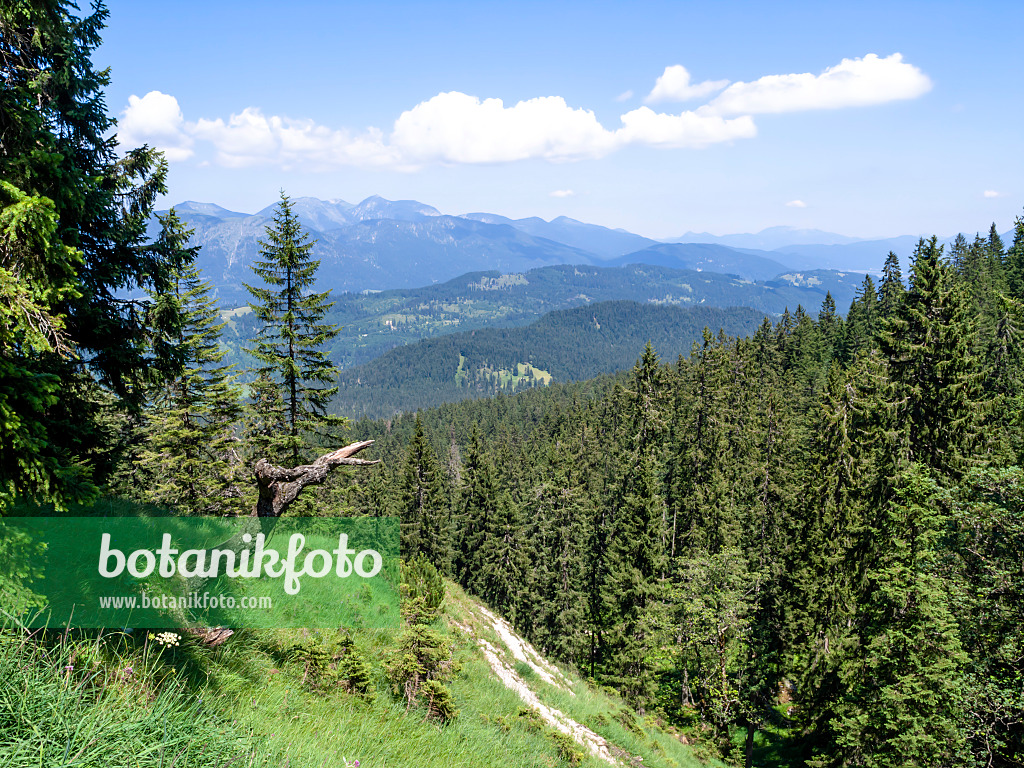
x=319 y=215
x=866 y=255
x=706 y=257
x=769 y=239
x=600 y=241
x=376 y=207
x=372 y=253
x=207 y=209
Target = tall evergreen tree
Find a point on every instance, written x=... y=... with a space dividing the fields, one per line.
x=1013 y=262
x=73 y=216
x=190 y=447
x=423 y=504
x=891 y=289
x=636 y=579
x=928 y=343
x=478 y=502
x=289 y=343
x=560 y=504
x=861 y=321
x=903 y=674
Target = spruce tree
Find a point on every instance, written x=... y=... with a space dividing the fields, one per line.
x=190 y=451
x=636 y=580
x=928 y=343
x=289 y=343
x=423 y=504
x=829 y=548
x=478 y=501
x=891 y=289
x=861 y=321
x=902 y=677
x=74 y=208
x=559 y=504
x=1013 y=262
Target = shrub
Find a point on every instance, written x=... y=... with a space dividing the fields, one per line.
x=422 y=591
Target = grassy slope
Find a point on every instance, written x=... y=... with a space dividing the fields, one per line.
x=245 y=704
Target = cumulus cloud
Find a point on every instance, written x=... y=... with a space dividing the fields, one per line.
x=457 y=128
x=674 y=85
x=563 y=193
x=851 y=83
x=155 y=119
x=251 y=138
x=990 y=193
x=796 y=204
x=689 y=129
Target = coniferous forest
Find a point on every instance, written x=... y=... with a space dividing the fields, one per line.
x=799 y=547
x=815 y=530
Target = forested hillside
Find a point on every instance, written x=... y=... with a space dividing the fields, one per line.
x=806 y=541
x=566 y=345
x=372 y=322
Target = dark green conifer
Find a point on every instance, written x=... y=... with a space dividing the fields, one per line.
x=902 y=677
x=423 y=503
x=891 y=289
x=290 y=342
x=190 y=452
x=928 y=343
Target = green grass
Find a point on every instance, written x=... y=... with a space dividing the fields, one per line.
x=253 y=702
x=103 y=702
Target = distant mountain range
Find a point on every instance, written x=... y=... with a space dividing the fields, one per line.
x=381 y=244
x=373 y=322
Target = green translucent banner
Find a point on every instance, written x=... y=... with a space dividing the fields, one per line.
x=120 y=572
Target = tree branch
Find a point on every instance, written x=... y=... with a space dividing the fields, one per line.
x=280 y=486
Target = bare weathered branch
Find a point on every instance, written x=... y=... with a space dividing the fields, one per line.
x=280 y=486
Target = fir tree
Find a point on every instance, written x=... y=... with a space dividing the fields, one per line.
x=891 y=289
x=289 y=343
x=74 y=208
x=478 y=501
x=928 y=343
x=559 y=504
x=830 y=325
x=423 y=504
x=903 y=675
x=190 y=448
x=861 y=322
x=637 y=569
x=1013 y=262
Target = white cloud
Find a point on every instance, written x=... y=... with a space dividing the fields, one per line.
x=457 y=128
x=155 y=119
x=624 y=96
x=251 y=138
x=689 y=129
x=563 y=193
x=990 y=193
x=796 y=204
x=851 y=83
x=674 y=85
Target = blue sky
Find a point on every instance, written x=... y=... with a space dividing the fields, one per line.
x=868 y=119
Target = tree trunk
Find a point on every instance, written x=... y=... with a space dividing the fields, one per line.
x=279 y=486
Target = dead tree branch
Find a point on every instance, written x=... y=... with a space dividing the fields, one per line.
x=280 y=486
